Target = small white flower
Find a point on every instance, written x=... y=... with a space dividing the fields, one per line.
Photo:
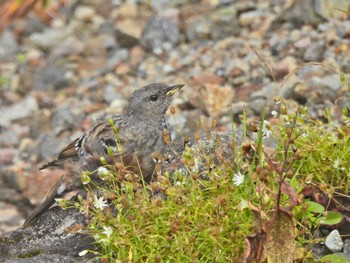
x=107 y=230
x=83 y=253
x=195 y=168
x=274 y=113
x=102 y=171
x=242 y=205
x=337 y=163
x=266 y=130
x=100 y=203
x=238 y=179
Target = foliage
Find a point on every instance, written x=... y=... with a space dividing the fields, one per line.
x=214 y=210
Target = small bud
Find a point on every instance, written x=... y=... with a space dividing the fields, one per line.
x=214 y=123
x=166 y=136
x=172 y=110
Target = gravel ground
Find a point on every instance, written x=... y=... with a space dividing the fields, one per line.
x=58 y=75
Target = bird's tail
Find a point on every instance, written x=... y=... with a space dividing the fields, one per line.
x=56 y=191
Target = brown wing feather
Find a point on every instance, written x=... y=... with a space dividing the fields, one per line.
x=69 y=152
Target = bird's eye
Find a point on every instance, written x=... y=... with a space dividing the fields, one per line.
x=153 y=97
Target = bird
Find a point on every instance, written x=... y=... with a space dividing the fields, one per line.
x=141 y=130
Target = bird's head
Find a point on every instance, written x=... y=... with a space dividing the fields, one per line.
x=152 y=101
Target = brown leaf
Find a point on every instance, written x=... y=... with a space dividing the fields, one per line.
x=254 y=247
x=287 y=189
x=280 y=244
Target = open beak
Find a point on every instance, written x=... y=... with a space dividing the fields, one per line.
x=169 y=91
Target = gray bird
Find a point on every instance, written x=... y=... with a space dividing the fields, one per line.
x=141 y=131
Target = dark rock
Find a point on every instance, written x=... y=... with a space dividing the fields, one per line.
x=160 y=34
x=48 y=240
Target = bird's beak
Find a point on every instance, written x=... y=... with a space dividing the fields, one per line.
x=169 y=91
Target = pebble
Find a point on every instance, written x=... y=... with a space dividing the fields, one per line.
x=343 y=30
x=23 y=109
x=334 y=241
x=315 y=51
x=160 y=34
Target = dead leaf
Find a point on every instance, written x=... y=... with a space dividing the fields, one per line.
x=287 y=189
x=280 y=244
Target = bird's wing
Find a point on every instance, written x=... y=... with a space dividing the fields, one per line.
x=92 y=143
x=68 y=152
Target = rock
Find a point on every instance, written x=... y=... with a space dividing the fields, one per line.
x=343 y=30
x=8 y=46
x=8 y=137
x=67 y=116
x=47 y=240
x=207 y=78
x=69 y=46
x=50 y=37
x=50 y=78
x=117 y=56
x=334 y=241
x=257 y=104
x=315 y=51
x=111 y=94
x=213 y=99
x=7 y=155
x=32 y=25
x=346 y=249
x=84 y=13
x=48 y=146
x=128 y=32
x=301 y=12
x=160 y=34
x=251 y=17
x=10 y=219
x=20 y=110
x=224 y=23
x=198 y=28
x=327 y=87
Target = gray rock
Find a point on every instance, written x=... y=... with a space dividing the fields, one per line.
x=50 y=78
x=48 y=146
x=334 y=241
x=269 y=91
x=46 y=240
x=257 y=104
x=224 y=22
x=344 y=29
x=111 y=94
x=66 y=116
x=327 y=86
x=117 y=56
x=33 y=24
x=20 y=110
x=315 y=51
x=198 y=29
x=160 y=34
x=301 y=12
x=8 y=46
x=346 y=249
